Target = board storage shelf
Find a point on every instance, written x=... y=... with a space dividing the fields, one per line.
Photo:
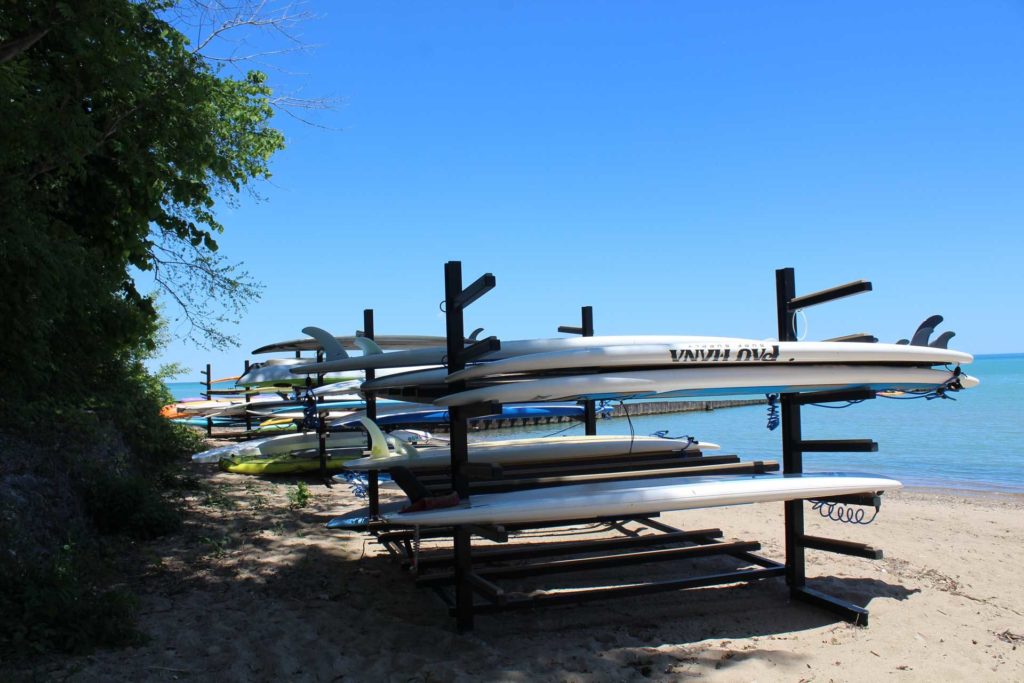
x=471 y=579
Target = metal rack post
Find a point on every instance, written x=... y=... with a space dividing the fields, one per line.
x=794 y=446
x=586 y=329
x=248 y=399
x=456 y=300
x=373 y=476
x=209 y=387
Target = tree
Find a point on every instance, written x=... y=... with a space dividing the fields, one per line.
x=118 y=140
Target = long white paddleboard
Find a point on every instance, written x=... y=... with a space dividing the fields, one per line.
x=611 y=499
x=279 y=371
x=738 y=351
x=385 y=341
x=688 y=349
x=703 y=381
x=519 y=451
x=437 y=355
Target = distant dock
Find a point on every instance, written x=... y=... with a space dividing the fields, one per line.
x=497 y=422
x=634 y=410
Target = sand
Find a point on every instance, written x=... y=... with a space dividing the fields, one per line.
x=256 y=590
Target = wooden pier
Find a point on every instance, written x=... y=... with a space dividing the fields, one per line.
x=618 y=411
x=634 y=410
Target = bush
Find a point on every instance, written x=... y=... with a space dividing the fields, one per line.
x=130 y=505
x=51 y=606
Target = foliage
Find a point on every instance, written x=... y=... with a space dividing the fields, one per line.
x=117 y=142
x=298 y=497
x=54 y=606
x=128 y=504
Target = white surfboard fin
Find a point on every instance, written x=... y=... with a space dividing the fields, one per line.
x=367 y=346
x=333 y=350
x=403 y=447
x=378 y=442
x=942 y=341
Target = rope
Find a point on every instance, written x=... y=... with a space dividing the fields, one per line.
x=632 y=432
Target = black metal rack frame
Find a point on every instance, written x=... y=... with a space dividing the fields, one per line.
x=473 y=576
x=794 y=446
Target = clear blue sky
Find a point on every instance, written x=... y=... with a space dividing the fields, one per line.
x=656 y=160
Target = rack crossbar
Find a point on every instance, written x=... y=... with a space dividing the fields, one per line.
x=826 y=295
x=572 y=597
x=600 y=562
x=703 y=536
x=481 y=286
x=484 y=346
x=858 y=337
x=847 y=610
x=834 y=396
x=613 y=464
x=503 y=485
x=834 y=545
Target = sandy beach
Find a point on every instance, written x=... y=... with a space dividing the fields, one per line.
x=254 y=589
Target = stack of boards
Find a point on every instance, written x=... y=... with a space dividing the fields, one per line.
x=657 y=367
x=299 y=452
x=634 y=367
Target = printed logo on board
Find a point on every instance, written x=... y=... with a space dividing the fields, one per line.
x=744 y=354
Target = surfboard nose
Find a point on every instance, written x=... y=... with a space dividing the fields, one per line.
x=969 y=381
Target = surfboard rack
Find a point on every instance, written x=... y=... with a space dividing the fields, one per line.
x=473 y=576
x=468 y=579
x=794 y=446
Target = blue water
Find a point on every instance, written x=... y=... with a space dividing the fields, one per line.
x=975 y=442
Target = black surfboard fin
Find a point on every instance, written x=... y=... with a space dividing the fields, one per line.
x=903 y=342
x=942 y=341
x=924 y=331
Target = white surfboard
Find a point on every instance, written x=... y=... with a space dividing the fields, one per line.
x=280 y=371
x=611 y=499
x=545 y=449
x=281 y=445
x=688 y=349
x=437 y=355
x=738 y=352
x=724 y=353
x=703 y=381
x=385 y=341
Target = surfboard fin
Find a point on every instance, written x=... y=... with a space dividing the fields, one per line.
x=378 y=443
x=924 y=331
x=942 y=342
x=903 y=342
x=476 y=333
x=403 y=447
x=367 y=346
x=333 y=350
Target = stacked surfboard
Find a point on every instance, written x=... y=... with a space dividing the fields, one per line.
x=645 y=367
x=658 y=367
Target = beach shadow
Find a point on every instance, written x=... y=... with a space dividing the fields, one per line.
x=254 y=588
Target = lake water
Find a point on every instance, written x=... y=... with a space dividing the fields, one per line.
x=974 y=442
